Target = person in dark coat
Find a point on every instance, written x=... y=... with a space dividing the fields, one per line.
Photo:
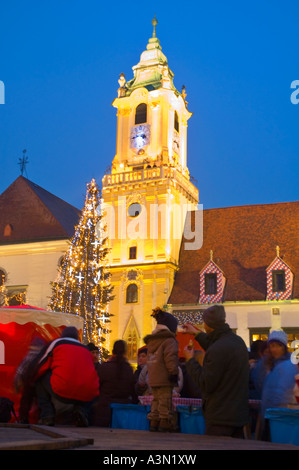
x=223 y=375
x=117 y=384
x=94 y=350
x=24 y=380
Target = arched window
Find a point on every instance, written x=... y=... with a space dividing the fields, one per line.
x=7 y=230
x=131 y=337
x=132 y=345
x=132 y=294
x=2 y=277
x=141 y=113
x=176 y=122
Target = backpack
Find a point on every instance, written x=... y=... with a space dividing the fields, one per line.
x=6 y=408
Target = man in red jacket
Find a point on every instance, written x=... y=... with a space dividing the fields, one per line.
x=67 y=374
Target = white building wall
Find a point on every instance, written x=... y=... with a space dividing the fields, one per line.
x=243 y=316
x=34 y=265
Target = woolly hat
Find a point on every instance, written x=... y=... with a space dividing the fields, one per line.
x=92 y=347
x=279 y=336
x=214 y=316
x=141 y=350
x=70 y=332
x=165 y=318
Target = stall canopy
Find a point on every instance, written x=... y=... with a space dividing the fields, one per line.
x=19 y=326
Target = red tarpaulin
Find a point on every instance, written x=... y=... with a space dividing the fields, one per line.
x=184 y=340
x=18 y=327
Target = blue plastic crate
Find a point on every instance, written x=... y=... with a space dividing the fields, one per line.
x=191 y=419
x=284 y=425
x=128 y=416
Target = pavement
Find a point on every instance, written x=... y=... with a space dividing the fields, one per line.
x=112 y=442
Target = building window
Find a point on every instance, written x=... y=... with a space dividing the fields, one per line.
x=256 y=334
x=278 y=281
x=132 y=294
x=141 y=113
x=133 y=252
x=16 y=295
x=2 y=277
x=293 y=338
x=210 y=283
x=7 y=230
x=131 y=341
x=176 y=122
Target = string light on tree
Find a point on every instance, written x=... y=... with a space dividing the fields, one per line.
x=83 y=283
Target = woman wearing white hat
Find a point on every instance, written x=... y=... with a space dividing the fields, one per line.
x=279 y=382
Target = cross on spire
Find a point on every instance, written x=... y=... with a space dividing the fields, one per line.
x=23 y=162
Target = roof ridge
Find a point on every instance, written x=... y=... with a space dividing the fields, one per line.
x=55 y=199
x=261 y=204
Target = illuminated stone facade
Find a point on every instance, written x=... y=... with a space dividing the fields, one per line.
x=147 y=195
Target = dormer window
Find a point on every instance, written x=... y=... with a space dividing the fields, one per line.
x=212 y=282
x=141 y=114
x=279 y=279
x=176 y=122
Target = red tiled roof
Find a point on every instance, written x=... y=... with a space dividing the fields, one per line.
x=243 y=240
x=34 y=214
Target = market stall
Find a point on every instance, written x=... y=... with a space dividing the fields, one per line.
x=19 y=326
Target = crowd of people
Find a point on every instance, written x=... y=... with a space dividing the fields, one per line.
x=66 y=378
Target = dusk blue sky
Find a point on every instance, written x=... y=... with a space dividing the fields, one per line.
x=60 y=62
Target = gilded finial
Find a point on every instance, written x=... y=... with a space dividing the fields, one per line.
x=154 y=23
x=277 y=251
x=211 y=255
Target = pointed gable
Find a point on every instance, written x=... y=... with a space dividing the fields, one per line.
x=212 y=282
x=30 y=213
x=279 y=279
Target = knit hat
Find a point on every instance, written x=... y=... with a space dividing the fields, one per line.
x=214 y=316
x=278 y=336
x=165 y=318
x=92 y=347
x=70 y=332
x=141 y=350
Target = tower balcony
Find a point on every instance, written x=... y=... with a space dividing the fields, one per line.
x=148 y=176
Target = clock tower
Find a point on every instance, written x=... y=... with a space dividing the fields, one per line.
x=147 y=194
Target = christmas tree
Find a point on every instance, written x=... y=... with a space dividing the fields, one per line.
x=83 y=284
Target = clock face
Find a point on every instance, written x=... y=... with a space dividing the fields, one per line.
x=140 y=136
x=134 y=209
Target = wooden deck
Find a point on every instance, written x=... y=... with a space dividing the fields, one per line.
x=113 y=441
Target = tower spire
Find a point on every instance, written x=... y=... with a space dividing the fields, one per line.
x=154 y=23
